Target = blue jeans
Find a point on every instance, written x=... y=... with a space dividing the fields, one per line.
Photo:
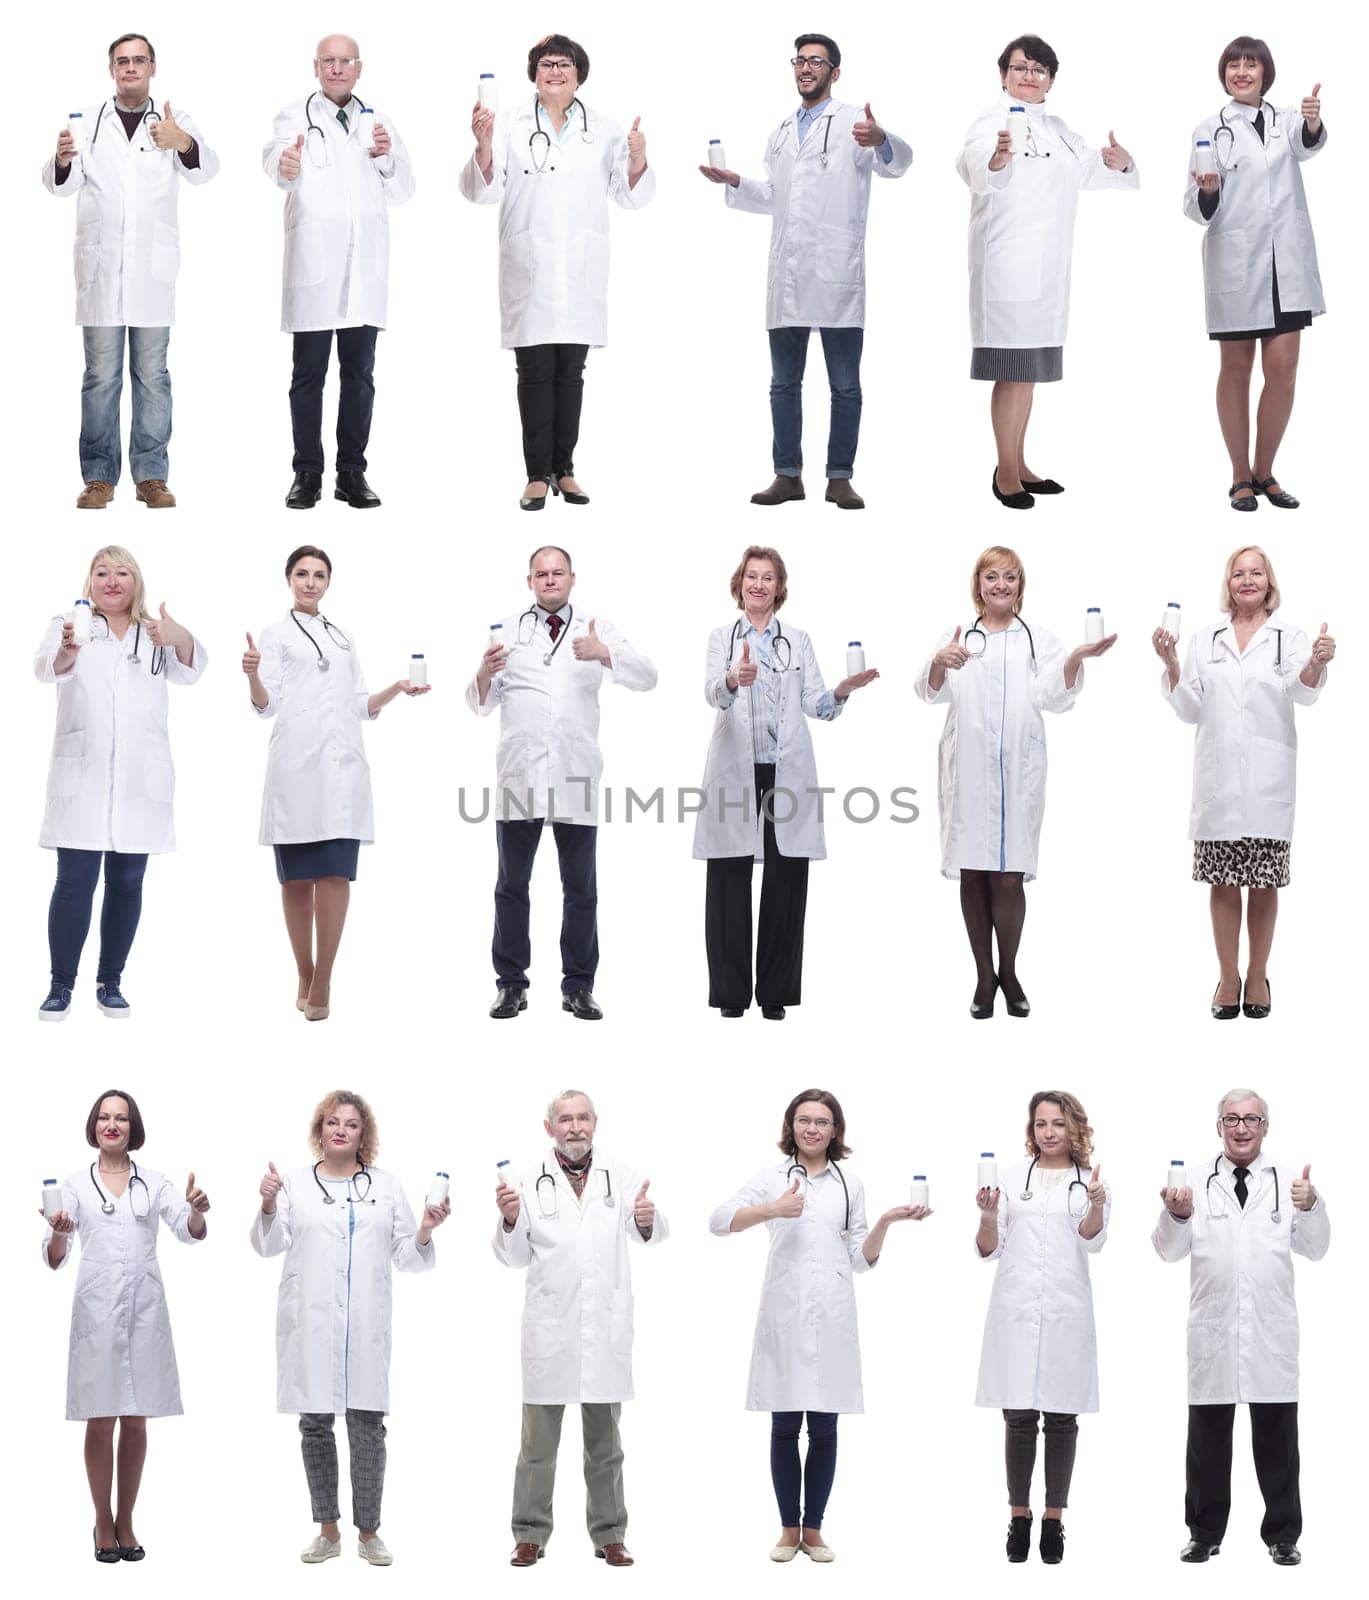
x=78 y=871
x=101 y=390
x=818 y=1471
x=841 y=349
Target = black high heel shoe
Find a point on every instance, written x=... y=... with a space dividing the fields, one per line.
x=105 y=1554
x=981 y=1013
x=1257 y=1013
x=1228 y=1013
x=535 y=502
x=572 y=497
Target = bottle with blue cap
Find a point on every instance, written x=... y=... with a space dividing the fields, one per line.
x=917 y=1195
x=716 y=158
x=488 y=94
x=76 y=127
x=855 y=658
x=1178 y=1176
x=52 y=1198
x=366 y=127
x=418 y=670
x=988 y=1170
x=497 y=641
x=1093 y=625
x=437 y=1190
x=81 y=622
x=1170 y=621
x=1204 y=159
x=1017 y=128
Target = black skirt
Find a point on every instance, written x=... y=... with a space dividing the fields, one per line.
x=1284 y=321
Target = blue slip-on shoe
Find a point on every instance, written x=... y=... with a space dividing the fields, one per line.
x=110 y=1001
x=57 y=1004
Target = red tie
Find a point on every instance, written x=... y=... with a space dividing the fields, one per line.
x=555 y=624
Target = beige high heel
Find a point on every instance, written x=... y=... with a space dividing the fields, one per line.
x=315 y=1013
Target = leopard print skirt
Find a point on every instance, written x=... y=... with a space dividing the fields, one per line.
x=1246 y=863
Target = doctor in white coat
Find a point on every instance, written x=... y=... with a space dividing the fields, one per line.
x=1260 y=274
x=552 y=166
x=110 y=778
x=806 y=1353
x=126 y=176
x=316 y=805
x=544 y=677
x=341 y=1225
x=569 y=1222
x=338 y=192
x=1240 y=681
x=121 y=1366
x=760 y=790
x=995 y=679
x=1040 y=1356
x=1241 y=1230
x=817 y=191
x=1024 y=187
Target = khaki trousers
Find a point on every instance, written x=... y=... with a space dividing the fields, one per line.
x=534 y=1479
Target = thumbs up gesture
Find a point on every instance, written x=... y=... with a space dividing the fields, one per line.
x=1097 y=1193
x=867 y=132
x=290 y=160
x=644 y=1209
x=590 y=647
x=1304 y=1195
x=636 y=147
x=747 y=669
x=790 y=1203
x=271 y=1186
x=198 y=1199
x=251 y=658
x=166 y=631
x=1311 y=110
x=954 y=655
x=1323 y=647
x=167 y=133
x=1115 y=158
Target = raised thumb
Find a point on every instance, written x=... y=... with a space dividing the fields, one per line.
x=955 y=637
x=271 y=1168
x=869 y=115
x=166 y=112
x=1307 y=1171
x=189 y=1185
x=646 y=1184
x=1093 y=1176
x=1323 y=629
x=299 y=142
x=591 y=629
x=746 y=651
x=162 y=609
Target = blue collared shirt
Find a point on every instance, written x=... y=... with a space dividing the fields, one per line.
x=806 y=117
x=765 y=692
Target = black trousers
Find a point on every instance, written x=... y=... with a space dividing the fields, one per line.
x=356 y=354
x=1274 y=1442
x=575 y=846
x=727 y=922
x=551 y=387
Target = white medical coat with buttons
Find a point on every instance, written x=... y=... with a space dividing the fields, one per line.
x=333 y=1310
x=577 y=1312
x=337 y=216
x=818 y=194
x=1022 y=226
x=1040 y=1352
x=548 y=762
x=1261 y=217
x=806 y=1353
x=1242 y=1317
x=318 y=785
x=1246 y=753
x=991 y=784
x=726 y=826
x=110 y=778
x=128 y=244
x=553 y=223
x=121 y=1361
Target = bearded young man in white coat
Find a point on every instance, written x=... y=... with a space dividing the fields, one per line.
x=126 y=176
x=1242 y=1235
x=817 y=189
x=569 y=1222
x=338 y=192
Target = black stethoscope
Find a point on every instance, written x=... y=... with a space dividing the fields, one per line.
x=565 y=629
x=1077 y=1181
x=149 y=116
x=1274 y=1216
x=540 y=154
x=832 y=1166
x=550 y=1177
x=357 y=1198
x=975 y=628
x=1272 y=131
x=782 y=664
x=133 y=658
x=1215 y=660
x=1031 y=153
x=313 y=128
x=338 y=637
x=826 y=136
x=107 y=1202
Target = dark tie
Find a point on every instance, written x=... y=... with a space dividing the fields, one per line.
x=1242 y=1173
x=1259 y=124
x=555 y=624
x=342 y=118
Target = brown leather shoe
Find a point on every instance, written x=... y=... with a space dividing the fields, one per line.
x=95 y=496
x=615 y=1555
x=526 y=1555
x=781 y=490
x=840 y=493
x=155 y=495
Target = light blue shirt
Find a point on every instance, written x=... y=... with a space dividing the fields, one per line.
x=765 y=692
x=805 y=119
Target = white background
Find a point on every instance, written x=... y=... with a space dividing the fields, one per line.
x=1116 y=957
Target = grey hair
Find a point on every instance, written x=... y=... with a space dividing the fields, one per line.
x=1232 y=1096
x=569 y=1094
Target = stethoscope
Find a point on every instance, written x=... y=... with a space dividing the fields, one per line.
x=313 y=128
x=1215 y=660
x=338 y=637
x=540 y=154
x=133 y=658
x=832 y=1166
x=548 y=1177
x=826 y=136
x=149 y=116
x=1272 y=130
x=531 y=613
x=782 y=664
x=1221 y=1216
x=107 y=1202
x=1031 y=153
x=1077 y=1181
x=357 y=1198
x=977 y=650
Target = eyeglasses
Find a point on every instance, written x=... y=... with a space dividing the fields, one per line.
x=1252 y=1121
x=1024 y=69
x=818 y=1124
x=810 y=61
x=556 y=66
x=132 y=61
x=345 y=62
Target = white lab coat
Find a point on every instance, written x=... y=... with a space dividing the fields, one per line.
x=1246 y=753
x=333 y=1308
x=553 y=225
x=726 y=826
x=121 y=1362
x=816 y=273
x=577 y=1313
x=128 y=246
x=1022 y=226
x=110 y=778
x=318 y=785
x=549 y=718
x=337 y=223
x=1261 y=215
x=1040 y=1352
x=806 y=1354
x=992 y=775
x=1242 y=1317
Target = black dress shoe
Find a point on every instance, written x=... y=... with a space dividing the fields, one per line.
x=1019 y=1539
x=1052 y=1541
x=1226 y=1013
x=733 y=1011
x=1285 y=1555
x=354 y=489
x=1018 y=501
x=1200 y=1550
x=773 y=1013
x=1042 y=486
x=1247 y=502
x=509 y=1002
x=1258 y=1012
x=572 y=497
x=581 y=1003
x=1277 y=497
x=107 y=1555
x=132 y=1552
x=304 y=491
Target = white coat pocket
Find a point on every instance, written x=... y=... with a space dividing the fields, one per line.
x=839 y=256
x=64 y=771
x=1226 y=252
x=1013 y=272
x=166 y=252
x=159 y=781
x=304 y=263
x=516 y=258
x=1275 y=771
x=620 y=1324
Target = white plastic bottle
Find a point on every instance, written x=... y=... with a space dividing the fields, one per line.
x=81 y=622
x=1178 y=1176
x=76 y=127
x=1017 y=128
x=855 y=658
x=497 y=636
x=1204 y=159
x=716 y=158
x=917 y=1195
x=418 y=670
x=489 y=92
x=1170 y=621
x=503 y=1171
x=1093 y=625
x=366 y=128
x=988 y=1170
x=437 y=1190
x=52 y=1195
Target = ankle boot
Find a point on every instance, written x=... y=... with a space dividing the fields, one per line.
x=1019 y=1538
x=1052 y=1540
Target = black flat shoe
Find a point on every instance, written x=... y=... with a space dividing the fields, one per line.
x=1247 y=502
x=1019 y=1539
x=509 y=1002
x=304 y=491
x=1015 y=502
x=1277 y=497
x=581 y=1003
x=1042 y=486
x=981 y=1013
x=132 y=1552
x=1258 y=1013
x=773 y=1013
x=1052 y=1541
x=1226 y=1013
x=354 y=489
x=1201 y=1550
x=732 y=1011
x=107 y=1555
x=1284 y=1555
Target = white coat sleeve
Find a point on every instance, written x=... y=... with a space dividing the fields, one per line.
x=1048 y=689
x=288 y=126
x=494 y=695
x=1187 y=695
x=1095 y=174
x=630 y=669
x=1094 y=1245
x=361 y=700
x=899 y=162
x=660 y=1228
x=270 y=1235
x=716 y=691
x=271 y=671
x=74 y=180
x=1311 y=1232
x=1173 y=1237
x=859 y=1229
x=471 y=181
x=1192 y=209
x=396 y=171
x=72 y=1206
x=208 y=165
x=174 y=1210
x=1292 y=117
x=46 y=654
x=755 y=194
x=973 y=161
x=754 y=1193
x=513 y=1246
x=923 y=687
x=620 y=191
x=1297 y=651
x=405 y=1251
x=178 y=671
x=818 y=701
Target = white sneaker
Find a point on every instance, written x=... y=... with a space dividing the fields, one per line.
x=320 y=1549
x=374 y=1551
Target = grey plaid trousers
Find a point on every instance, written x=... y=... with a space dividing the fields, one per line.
x=366 y=1447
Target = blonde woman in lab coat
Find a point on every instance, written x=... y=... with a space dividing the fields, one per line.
x=1040 y=1357
x=995 y=679
x=1240 y=681
x=1260 y=272
x=806 y=1355
x=121 y=1369
x=316 y=808
x=110 y=779
x=341 y=1224
x=552 y=165
x=1025 y=191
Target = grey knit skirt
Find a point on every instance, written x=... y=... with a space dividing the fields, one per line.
x=1045 y=364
